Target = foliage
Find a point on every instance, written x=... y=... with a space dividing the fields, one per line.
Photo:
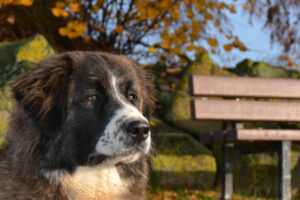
x=15 y=2
x=170 y=30
x=282 y=19
x=6 y=105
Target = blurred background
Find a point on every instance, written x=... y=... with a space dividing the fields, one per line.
x=171 y=39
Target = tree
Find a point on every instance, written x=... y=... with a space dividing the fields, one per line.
x=170 y=30
x=282 y=19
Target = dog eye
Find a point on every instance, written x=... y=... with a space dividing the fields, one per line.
x=92 y=98
x=131 y=97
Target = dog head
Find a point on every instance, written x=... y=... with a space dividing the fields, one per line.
x=91 y=108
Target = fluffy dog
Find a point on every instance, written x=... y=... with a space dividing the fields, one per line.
x=80 y=130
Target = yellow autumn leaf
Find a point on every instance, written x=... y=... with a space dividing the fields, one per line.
x=196 y=26
x=232 y=9
x=236 y=38
x=191 y=47
x=55 y=12
x=175 y=15
x=95 y=8
x=152 y=123
x=208 y=16
x=223 y=5
x=228 y=37
x=283 y=57
x=26 y=2
x=288 y=59
x=213 y=51
x=185 y=26
x=79 y=27
x=75 y=7
x=64 y=13
x=165 y=45
x=176 y=50
x=212 y=42
x=59 y=12
x=63 y=31
x=227 y=47
x=119 y=29
x=141 y=7
x=73 y=30
x=190 y=13
x=245 y=6
x=152 y=13
x=241 y=46
x=166 y=37
x=176 y=6
x=199 y=4
x=73 y=35
x=164 y=4
x=151 y=49
x=217 y=22
x=60 y=4
x=290 y=63
x=100 y=29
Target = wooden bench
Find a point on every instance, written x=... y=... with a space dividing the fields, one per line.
x=233 y=108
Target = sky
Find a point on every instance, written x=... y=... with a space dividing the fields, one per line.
x=255 y=37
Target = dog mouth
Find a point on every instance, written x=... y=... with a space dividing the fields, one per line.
x=96 y=159
x=124 y=157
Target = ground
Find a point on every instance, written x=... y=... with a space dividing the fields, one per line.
x=168 y=193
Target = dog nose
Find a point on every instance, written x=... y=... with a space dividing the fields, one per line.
x=138 y=130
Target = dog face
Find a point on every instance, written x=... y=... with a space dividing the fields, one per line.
x=91 y=108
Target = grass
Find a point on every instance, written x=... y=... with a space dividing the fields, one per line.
x=192 y=194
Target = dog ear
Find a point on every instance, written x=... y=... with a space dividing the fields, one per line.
x=43 y=91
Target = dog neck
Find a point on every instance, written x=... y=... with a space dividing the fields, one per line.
x=93 y=183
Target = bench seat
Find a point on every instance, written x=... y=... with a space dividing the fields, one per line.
x=248 y=135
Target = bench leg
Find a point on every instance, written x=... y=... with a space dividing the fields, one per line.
x=285 y=170
x=227 y=175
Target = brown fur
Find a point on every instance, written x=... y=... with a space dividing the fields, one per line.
x=42 y=102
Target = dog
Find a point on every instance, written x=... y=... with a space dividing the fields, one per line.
x=80 y=130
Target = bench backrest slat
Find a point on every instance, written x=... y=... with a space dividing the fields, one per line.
x=224 y=86
x=232 y=110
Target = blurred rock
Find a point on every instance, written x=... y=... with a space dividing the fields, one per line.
x=17 y=57
x=178 y=112
x=261 y=69
x=181 y=161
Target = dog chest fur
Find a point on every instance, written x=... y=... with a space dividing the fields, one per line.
x=91 y=183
